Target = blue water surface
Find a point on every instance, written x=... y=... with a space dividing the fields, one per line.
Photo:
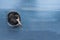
x=36 y=25
x=40 y=20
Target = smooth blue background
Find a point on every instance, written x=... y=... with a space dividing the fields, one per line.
x=40 y=19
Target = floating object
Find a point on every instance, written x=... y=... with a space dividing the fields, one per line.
x=14 y=19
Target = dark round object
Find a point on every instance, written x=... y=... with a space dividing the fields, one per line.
x=12 y=16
